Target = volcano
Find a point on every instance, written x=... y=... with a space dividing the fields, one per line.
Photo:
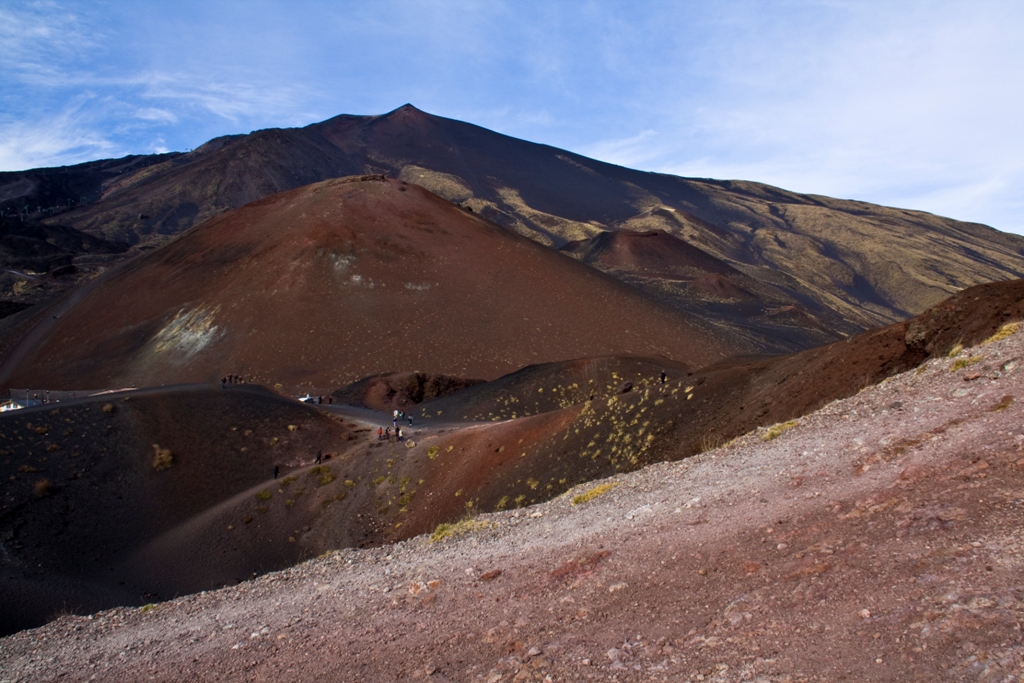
x=849 y=266
x=340 y=280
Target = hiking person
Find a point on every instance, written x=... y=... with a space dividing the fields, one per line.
x=387 y=433
x=410 y=419
x=380 y=433
x=319 y=400
x=663 y=376
x=398 y=433
x=319 y=457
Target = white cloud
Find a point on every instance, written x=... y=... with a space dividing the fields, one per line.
x=156 y=114
x=636 y=151
x=909 y=103
x=67 y=138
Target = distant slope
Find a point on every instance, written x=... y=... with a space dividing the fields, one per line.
x=607 y=429
x=84 y=493
x=850 y=265
x=341 y=280
x=688 y=278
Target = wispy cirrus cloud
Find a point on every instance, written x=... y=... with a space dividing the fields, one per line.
x=69 y=137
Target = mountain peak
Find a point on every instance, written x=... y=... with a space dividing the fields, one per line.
x=406 y=109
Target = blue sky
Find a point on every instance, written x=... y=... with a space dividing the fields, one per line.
x=910 y=104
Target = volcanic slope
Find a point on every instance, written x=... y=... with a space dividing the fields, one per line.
x=879 y=539
x=538 y=432
x=112 y=502
x=849 y=265
x=345 y=279
x=561 y=424
x=91 y=483
x=683 y=276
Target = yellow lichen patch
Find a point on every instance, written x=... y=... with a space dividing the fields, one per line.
x=591 y=494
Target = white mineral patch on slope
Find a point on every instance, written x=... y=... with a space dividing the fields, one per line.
x=188 y=333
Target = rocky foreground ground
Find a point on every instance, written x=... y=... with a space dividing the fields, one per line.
x=879 y=538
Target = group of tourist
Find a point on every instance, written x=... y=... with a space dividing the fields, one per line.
x=231 y=379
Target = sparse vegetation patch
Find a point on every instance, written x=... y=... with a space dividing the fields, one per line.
x=162 y=458
x=1005 y=331
x=460 y=528
x=323 y=475
x=961 y=363
x=776 y=430
x=593 y=493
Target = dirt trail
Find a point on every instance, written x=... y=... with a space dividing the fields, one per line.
x=878 y=538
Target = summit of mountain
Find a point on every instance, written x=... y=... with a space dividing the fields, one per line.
x=323 y=285
x=843 y=266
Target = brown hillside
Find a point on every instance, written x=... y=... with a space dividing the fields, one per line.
x=395 y=390
x=106 y=515
x=341 y=280
x=652 y=252
x=691 y=280
x=851 y=265
x=878 y=539
x=698 y=409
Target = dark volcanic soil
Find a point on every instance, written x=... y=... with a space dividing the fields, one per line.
x=89 y=484
x=395 y=390
x=691 y=280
